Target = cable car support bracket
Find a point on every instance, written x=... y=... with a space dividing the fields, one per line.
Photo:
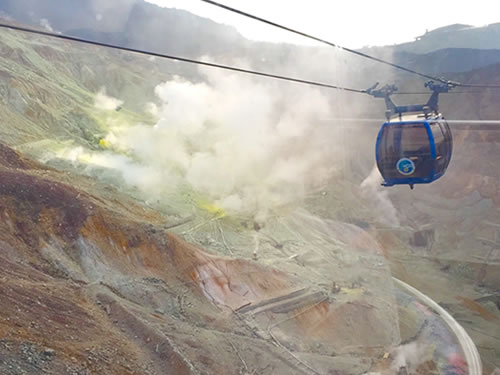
x=432 y=105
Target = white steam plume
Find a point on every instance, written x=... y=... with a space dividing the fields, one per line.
x=246 y=145
x=371 y=188
x=44 y=22
x=105 y=102
x=410 y=356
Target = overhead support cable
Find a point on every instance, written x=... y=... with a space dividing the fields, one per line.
x=201 y=62
x=181 y=59
x=355 y=52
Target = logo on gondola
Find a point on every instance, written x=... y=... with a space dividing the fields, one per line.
x=405 y=166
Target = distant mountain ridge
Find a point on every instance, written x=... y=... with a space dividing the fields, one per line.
x=134 y=23
x=455 y=36
x=150 y=25
x=138 y=24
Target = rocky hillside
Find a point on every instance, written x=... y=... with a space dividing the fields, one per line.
x=93 y=283
x=48 y=89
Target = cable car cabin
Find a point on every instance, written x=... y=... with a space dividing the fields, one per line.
x=414 y=146
x=413 y=149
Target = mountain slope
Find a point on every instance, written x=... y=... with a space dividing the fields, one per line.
x=455 y=36
x=68 y=261
x=133 y=23
x=48 y=89
x=449 y=60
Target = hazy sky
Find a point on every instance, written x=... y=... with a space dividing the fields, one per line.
x=351 y=23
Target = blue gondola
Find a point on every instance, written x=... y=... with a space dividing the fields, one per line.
x=415 y=145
